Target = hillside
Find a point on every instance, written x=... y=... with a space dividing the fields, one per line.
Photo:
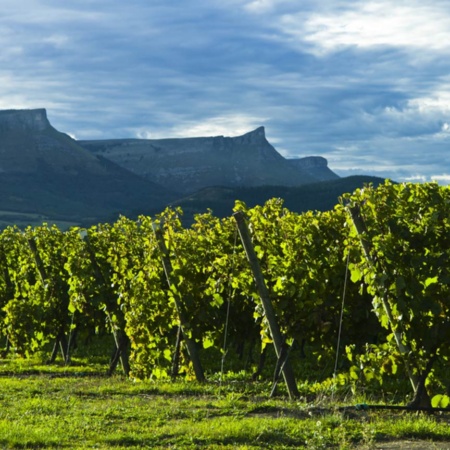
x=45 y=172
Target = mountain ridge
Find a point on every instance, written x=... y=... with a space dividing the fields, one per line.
x=47 y=176
x=194 y=163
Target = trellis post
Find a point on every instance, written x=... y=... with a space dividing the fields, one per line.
x=184 y=323
x=396 y=327
x=269 y=312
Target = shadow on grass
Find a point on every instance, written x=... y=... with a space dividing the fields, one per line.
x=163 y=441
x=132 y=441
x=30 y=444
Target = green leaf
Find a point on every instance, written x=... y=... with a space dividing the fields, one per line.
x=429 y=281
x=394 y=368
x=356 y=274
x=368 y=374
x=436 y=400
x=384 y=320
x=279 y=284
x=217 y=300
x=348 y=351
x=207 y=343
x=167 y=354
x=354 y=373
x=440 y=401
x=40 y=336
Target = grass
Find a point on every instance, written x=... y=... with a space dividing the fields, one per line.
x=79 y=408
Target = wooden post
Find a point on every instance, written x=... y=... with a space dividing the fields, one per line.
x=396 y=327
x=184 y=323
x=9 y=292
x=61 y=336
x=120 y=337
x=263 y=292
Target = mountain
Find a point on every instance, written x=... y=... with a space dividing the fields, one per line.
x=190 y=164
x=45 y=172
x=316 y=166
x=46 y=176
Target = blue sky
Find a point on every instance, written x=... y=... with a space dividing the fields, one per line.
x=366 y=84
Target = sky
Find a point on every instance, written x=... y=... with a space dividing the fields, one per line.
x=365 y=84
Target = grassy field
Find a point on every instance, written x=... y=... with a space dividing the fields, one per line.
x=77 y=407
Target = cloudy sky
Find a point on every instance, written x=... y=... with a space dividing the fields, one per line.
x=364 y=83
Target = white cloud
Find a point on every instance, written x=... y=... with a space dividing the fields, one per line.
x=230 y=125
x=416 y=179
x=435 y=102
x=261 y=6
x=399 y=24
x=441 y=179
x=425 y=116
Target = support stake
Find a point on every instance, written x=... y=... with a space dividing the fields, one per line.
x=396 y=328
x=190 y=344
x=263 y=292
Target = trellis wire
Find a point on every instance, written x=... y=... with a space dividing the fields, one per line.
x=224 y=348
x=341 y=316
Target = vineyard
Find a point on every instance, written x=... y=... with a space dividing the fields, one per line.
x=357 y=296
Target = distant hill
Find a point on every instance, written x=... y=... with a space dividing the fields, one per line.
x=187 y=165
x=47 y=173
x=319 y=196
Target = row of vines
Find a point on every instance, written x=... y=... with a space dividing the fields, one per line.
x=367 y=283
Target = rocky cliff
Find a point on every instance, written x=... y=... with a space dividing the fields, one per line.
x=28 y=143
x=190 y=164
x=317 y=166
x=25 y=120
x=47 y=172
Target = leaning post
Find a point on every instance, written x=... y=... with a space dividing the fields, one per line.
x=263 y=292
x=396 y=327
x=184 y=323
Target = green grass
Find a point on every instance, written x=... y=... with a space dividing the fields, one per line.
x=78 y=408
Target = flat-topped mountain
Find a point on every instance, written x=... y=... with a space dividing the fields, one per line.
x=46 y=176
x=317 y=166
x=45 y=172
x=13 y=119
x=28 y=143
x=190 y=164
